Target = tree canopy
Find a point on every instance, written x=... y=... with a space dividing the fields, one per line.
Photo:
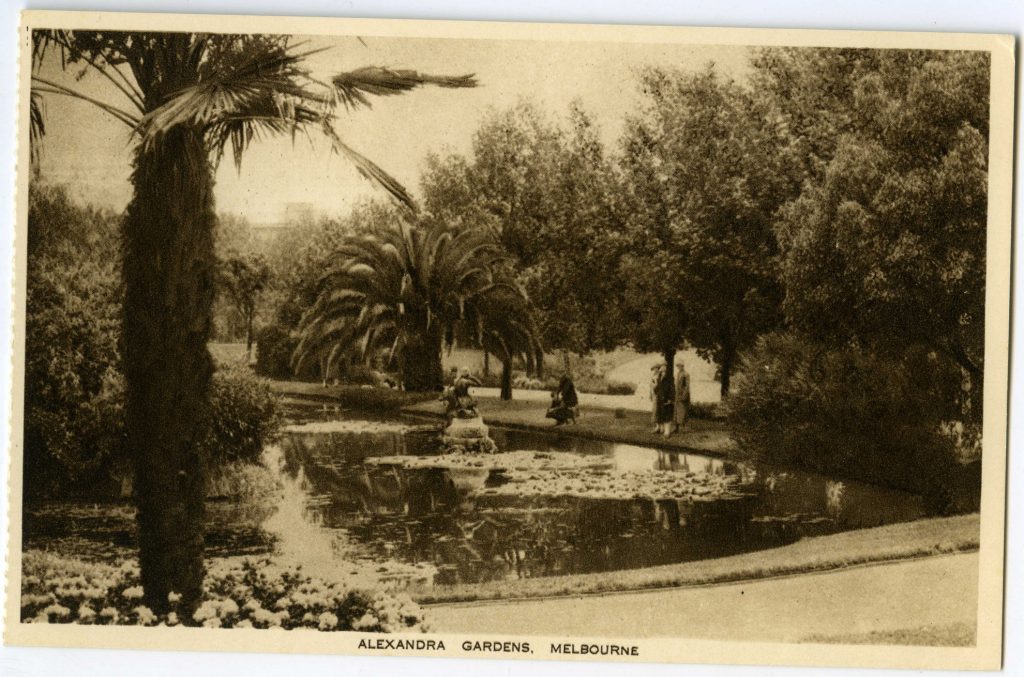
x=885 y=244
x=547 y=191
x=700 y=172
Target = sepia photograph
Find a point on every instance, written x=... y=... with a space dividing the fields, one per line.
x=565 y=342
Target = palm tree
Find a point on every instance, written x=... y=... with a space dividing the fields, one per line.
x=187 y=97
x=503 y=324
x=409 y=290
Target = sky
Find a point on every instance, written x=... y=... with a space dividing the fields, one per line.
x=89 y=151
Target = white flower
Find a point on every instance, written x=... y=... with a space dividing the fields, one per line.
x=172 y=618
x=228 y=607
x=145 y=615
x=173 y=597
x=109 y=613
x=134 y=592
x=206 y=611
x=58 y=610
x=85 y=612
x=244 y=623
x=365 y=622
x=327 y=621
x=211 y=623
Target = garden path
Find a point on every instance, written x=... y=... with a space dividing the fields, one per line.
x=896 y=598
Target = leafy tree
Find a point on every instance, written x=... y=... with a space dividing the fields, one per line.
x=700 y=167
x=244 y=277
x=186 y=98
x=547 y=192
x=74 y=430
x=885 y=245
x=406 y=289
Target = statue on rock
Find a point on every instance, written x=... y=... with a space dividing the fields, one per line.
x=465 y=431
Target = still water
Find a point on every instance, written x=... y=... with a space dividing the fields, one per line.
x=431 y=526
x=336 y=508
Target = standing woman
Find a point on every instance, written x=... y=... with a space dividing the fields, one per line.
x=570 y=400
x=682 y=396
x=656 y=371
x=665 y=392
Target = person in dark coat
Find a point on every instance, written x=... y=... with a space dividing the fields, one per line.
x=665 y=396
x=565 y=403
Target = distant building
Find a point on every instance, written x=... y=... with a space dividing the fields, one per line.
x=267 y=232
x=295 y=213
x=299 y=212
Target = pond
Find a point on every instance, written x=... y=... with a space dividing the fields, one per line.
x=350 y=504
x=349 y=498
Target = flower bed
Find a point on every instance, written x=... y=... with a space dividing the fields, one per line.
x=240 y=592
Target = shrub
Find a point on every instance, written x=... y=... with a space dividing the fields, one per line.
x=523 y=382
x=74 y=393
x=844 y=411
x=74 y=437
x=251 y=593
x=244 y=416
x=361 y=374
x=274 y=347
x=242 y=481
x=620 y=388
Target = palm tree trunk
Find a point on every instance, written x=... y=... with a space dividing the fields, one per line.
x=506 y=378
x=421 y=362
x=169 y=289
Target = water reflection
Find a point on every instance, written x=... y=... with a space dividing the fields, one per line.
x=339 y=509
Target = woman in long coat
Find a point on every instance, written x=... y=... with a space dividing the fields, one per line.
x=682 y=395
x=665 y=396
x=656 y=371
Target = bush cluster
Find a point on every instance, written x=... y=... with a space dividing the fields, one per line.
x=74 y=391
x=274 y=347
x=74 y=432
x=244 y=416
x=584 y=384
x=845 y=411
x=250 y=593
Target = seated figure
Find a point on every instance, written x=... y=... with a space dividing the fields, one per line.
x=458 y=402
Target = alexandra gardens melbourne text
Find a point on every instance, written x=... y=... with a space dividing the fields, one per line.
x=470 y=646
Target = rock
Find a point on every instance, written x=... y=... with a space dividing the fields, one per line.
x=466 y=428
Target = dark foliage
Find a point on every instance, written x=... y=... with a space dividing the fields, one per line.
x=274 y=347
x=847 y=412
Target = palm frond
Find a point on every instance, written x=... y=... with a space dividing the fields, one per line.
x=353 y=86
x=369 y=170
x=253 y=86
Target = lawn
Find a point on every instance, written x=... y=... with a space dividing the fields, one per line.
x=367 y=398
x=612 y=425
x=935 y=536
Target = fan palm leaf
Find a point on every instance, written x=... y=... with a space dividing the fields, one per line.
x=425 y=284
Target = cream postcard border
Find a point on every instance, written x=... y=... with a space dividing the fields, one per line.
x=986 y=654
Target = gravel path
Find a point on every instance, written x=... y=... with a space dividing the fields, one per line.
x=929 y=592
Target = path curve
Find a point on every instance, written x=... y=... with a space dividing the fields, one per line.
x=882 y=597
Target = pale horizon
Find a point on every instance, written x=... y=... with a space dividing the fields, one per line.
x=88 y=152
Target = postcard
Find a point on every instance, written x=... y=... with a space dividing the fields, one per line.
x=507 y=340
